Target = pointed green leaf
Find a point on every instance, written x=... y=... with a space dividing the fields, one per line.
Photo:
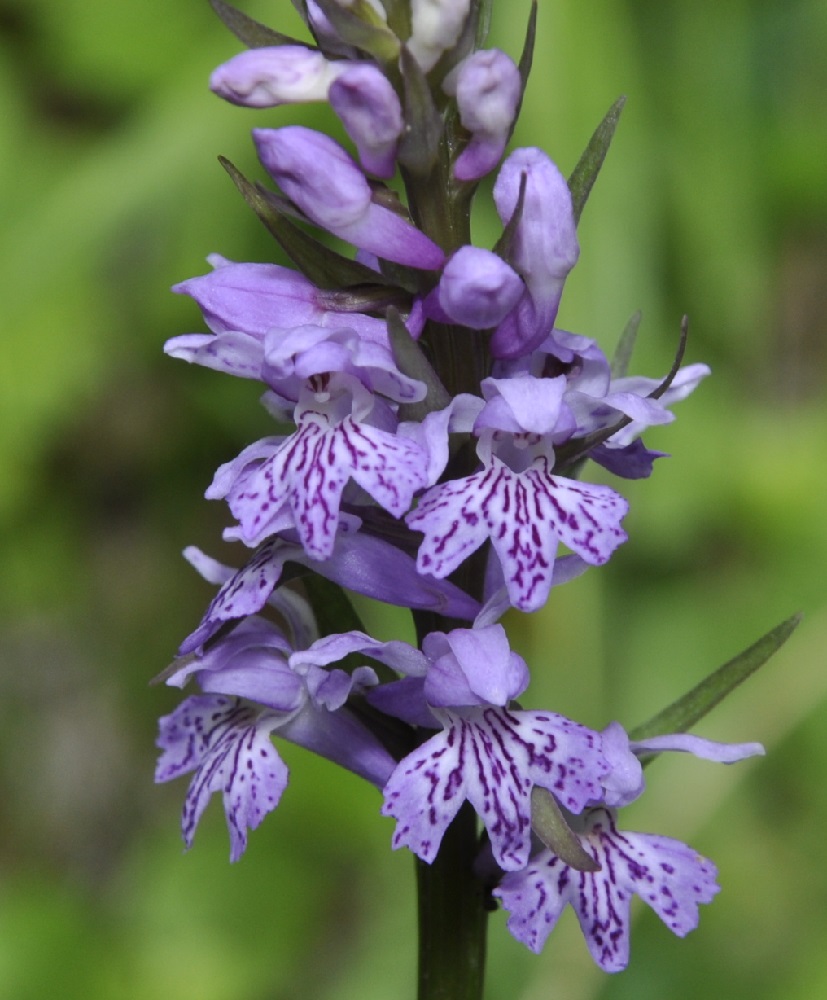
x=398 y=13
x=503 y=245
x=361 y=26
x=419 y=147
x=483 y=12
x=588 y=166
x=550 y=826
x=254 y=34
x=412 y=362
x=323 y=266
x=625 y=346
x=693 y=706
x=527 y=55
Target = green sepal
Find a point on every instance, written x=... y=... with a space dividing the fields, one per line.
x=398 y=13
x=323 y=266
x=682 y=714
x=588 y=166
x=551 y=827
x=419 y=147
x=625 y=346
x=411 y=361
x=254 y=34
x=359 y=25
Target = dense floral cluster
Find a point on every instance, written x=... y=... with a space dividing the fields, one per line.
x=445 y=491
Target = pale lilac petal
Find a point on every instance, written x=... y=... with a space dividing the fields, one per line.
x=525 y=515
x=331 y=648
x=473 y=667
x=544 y=248
x=252 y=298
x=669 y=876
x=522 y=404
x=493 y=758
x=234 y=353
x=229 y=748
x=723 y=753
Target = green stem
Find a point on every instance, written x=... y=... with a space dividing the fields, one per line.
x=452 y=917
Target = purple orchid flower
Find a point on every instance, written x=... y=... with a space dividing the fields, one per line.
x=486 y=753
x=255 y=684
x=665 y=873
x=297 y=482
x=515 y=500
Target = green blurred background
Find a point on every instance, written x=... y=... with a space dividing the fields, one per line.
x=713 y=202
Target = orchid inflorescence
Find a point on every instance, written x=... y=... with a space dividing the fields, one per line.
x=438 y=422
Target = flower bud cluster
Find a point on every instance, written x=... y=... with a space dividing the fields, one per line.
x=390 y=478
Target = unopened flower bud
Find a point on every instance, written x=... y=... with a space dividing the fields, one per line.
x=487 y=87
x=477 y=288
x=265 y=78
x=371 y=113
x=436 y=25
x=323 y=181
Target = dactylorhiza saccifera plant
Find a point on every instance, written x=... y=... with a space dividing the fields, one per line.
x=438 y=423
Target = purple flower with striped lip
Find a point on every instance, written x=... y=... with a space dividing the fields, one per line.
x=522 y=507
x=255 y=684
x=666 y=874
x=297 y=482
x=487 y=754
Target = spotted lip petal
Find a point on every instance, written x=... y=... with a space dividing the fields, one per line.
x=669 y=876
x=228 y=746
x=525 y=515
x=492 y=757
x=307 y=472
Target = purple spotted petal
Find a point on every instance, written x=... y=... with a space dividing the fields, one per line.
x=230 y=750
x=308 y=471
x=244 y=593
x=525 y=515
x=669 y=876
x=492 y=758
